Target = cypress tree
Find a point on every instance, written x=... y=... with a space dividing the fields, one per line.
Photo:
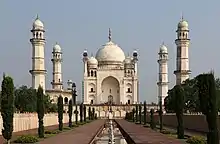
x=81 y=112
x=207 y=97
x=40 y=111
x=84 y=110
x=76 y=115
x=93 y=113
x=152 y=121
x=7 y=107
x=89 y=113
x=60 y=112
x=140 y=114
x=70 y=110
x=133 y=114
x=178 y=107
x=161 y=115
x=136 y=113
x=126 y=115
x=145 y=113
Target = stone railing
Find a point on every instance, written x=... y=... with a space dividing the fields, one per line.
x=26 y=121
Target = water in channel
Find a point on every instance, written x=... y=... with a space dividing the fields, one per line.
x=110 y=134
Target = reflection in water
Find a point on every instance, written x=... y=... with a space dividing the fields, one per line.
x=106 y=134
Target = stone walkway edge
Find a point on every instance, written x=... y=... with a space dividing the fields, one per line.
x=80 y=135
x=142 y=135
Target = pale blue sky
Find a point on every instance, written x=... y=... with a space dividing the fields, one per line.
x=83 y=24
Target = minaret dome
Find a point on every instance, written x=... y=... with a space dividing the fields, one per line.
x=163 y=49
x=183 y=25
x=38 y=24
x=57 y=48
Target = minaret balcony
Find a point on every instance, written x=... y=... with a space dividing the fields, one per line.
x=182 y=72
x=57 y=60
x=35 y=40
x=41 y=30
x=38 y=71
x=162 y=83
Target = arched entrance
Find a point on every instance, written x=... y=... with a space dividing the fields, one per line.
x=110 y=90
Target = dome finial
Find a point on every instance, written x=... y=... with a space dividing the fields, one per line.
x=109 y=35
x=163 y=43
x=182 y=16
x=91 y=54
x=37 y=17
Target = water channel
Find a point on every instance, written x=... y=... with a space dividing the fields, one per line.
x=110 y=134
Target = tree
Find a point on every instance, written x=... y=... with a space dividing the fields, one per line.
x=7 y=107
x=145 y=113
x=178 y=97
x=40 y=111
x=133 y=117
x=84 y=110
x=49 y=105
x=89 y=113
x=76 y=114
x=60 y=112
x=152 y=121
x=70 y=110
x=207 y=96
x=161 y=114
x=136 y=113
x=93 y=113
x=140 y=114
x=191 y=97
x=81 y=112
x=26 y=99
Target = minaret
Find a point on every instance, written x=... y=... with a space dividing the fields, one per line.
x=57 y=83
x=85 y=82
x=38 y=71
x=163 y=74
x=135 y=78
x=182 y=71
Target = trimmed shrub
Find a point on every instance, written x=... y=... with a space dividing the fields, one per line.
x=196 y=140
x=26 y=139
x=7 y=107
x=67 y=128
x=81 y=123
x=165 y=131
x=70 y=111
x=136 y=113
x=145 y=113
x=52 y=132
x=207 y=97
x=90 y=113
x=140 y=114
x=152 y=121
x=75 y=125
x=133 y=113
x=60 y=112
x=40 y=111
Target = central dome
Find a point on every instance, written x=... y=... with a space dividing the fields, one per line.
x=110 y=53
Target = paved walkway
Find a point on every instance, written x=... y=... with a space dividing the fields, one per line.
x=80 y=135
x=31 y=131
x=142 y=135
